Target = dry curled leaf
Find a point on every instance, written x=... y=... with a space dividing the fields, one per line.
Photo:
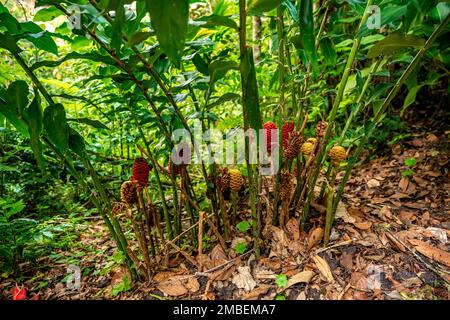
x=324 y=268
x=314 y=237
x=373 y=183
x=172 y=287
x=243 y=279
x=343 y=214
x=255 y=293
x=363 y=225
x=301 y=277
x=436 y=254
x=192 y=285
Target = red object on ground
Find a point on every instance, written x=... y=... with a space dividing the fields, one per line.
x=268 y=127
x=288 y=127
x=140 y=172
x=19 y=293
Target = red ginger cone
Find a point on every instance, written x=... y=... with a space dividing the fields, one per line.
x=268 y=127
x=288 y=128
x=176 y=168
x=140 y=172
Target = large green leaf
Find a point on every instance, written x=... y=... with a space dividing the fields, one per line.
x=40 y=38
x=224 y=98
x=76 y=143
x=118 y=24
x=13 y=105
x=93 y=123
x=55 y=123
x=47 y=14
x=307 y=32
x=393 y=43
x=252 y=110
x=388 y=15
x=328 y=51
x=34 y=117
x=170 y=21
x=256 y=7
x=218 y=69
x=216 y=20
x=9 y=43
x=93 y=56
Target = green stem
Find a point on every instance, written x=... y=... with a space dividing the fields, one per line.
x=253 y=179
x=332 y=116
x=384 y=106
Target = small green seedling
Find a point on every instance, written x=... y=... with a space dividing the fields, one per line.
x=411 y=162
x=280 y=297
x=281 y=280
x=240 y=248
x=243 y=226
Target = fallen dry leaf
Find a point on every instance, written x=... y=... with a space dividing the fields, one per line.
x=373 y=183
x=363 y=225
x=192 y=284
x=431 y=252
x=324 y=268
x=314 y=237
x=403 y=184
x=342 y=213
x=255 y=293
x=301 y=277
x=243 y=279
x=293 y=228
x=172 y=287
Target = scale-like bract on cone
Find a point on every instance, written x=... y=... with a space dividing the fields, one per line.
x=140 y=172
x=269 y=126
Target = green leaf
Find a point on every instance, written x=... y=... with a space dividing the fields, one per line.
x=224 y=98
x=122 y=286
x=328 y=51
x=281 y=280
x=218 y=69
x=407 y=172
x=240 y=248
x=216 y=20
x=252 y=112
x=34 y=118
x=388 y=14
x=243 y=226
x=47 y=14
x=410 y=162
x=200 y=64
x=139 y=37
x=55 y=123
x=393 y=43
x=93 y=123
x=256 y=7
x=307 y=32
x=40 y=38
x=9 y=43
x=117 y=25
x=76 y=143
x=170 y=21
x=93 y=56
x=16 y=99
x=10 y=23
x=411 y=97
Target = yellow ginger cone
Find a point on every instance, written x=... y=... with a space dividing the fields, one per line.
x=337 y=155
x=128 y=192
x=307 y=148
x=236 y=179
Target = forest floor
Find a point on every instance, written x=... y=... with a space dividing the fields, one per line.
x=390 y=241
